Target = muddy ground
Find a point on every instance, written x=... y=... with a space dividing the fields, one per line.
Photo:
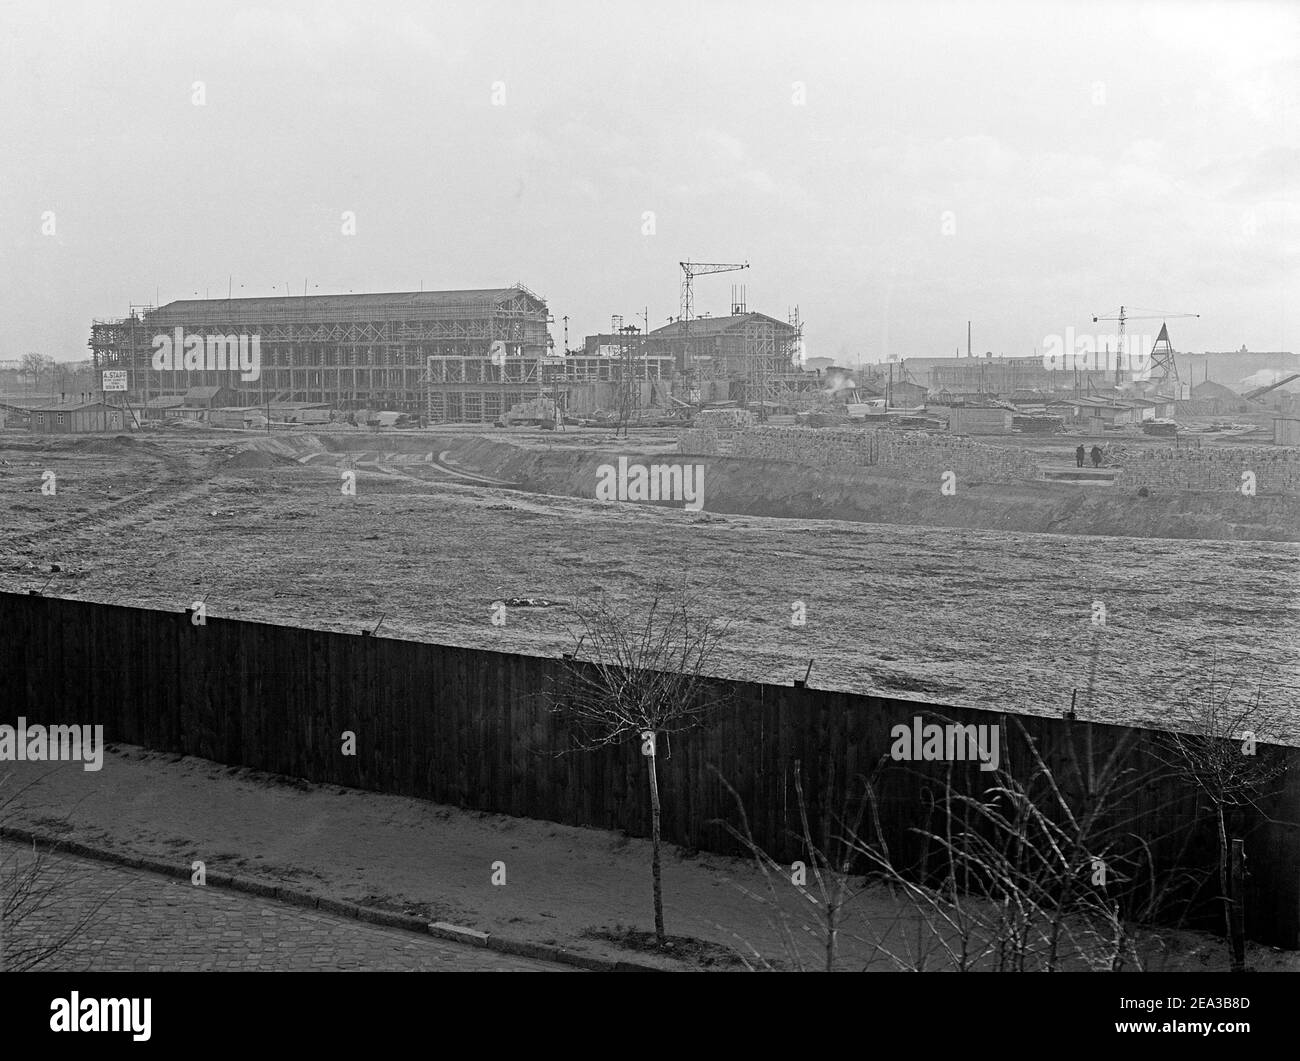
x=994 y=616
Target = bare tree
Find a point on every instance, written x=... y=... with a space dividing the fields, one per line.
x=830 y=861
x=39 y=916
x=39 y=919
x=1016 y=871
x=1219 y=758
x=36 y=367
x=642 y=678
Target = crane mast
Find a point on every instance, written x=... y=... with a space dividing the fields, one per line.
x=690 y=270
x=1162 y=353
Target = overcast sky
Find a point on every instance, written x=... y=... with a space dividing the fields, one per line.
x=892 y=169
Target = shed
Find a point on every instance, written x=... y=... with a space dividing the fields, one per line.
x=905 y=394
x=1081 y=411
x=76 y=419
x=1286 y=431
x=247 y=416
x=1212 y=389
x=164 y=406
x=301 y=412
x=209 y=397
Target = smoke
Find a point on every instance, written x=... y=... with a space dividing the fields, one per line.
x=838 y=379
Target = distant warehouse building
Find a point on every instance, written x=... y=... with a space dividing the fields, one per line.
x=1003 y=375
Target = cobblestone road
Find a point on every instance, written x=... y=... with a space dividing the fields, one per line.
x=153 y=923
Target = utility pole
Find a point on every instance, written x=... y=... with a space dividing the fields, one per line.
x=133 y=361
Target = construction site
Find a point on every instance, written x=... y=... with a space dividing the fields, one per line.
x=401 y=465
x=477 y=356
x=488 y=357
x=368 y=478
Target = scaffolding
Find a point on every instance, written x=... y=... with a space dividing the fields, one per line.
x=475 y=389
x=748 y=357
x=348 y=351
x=631 y=357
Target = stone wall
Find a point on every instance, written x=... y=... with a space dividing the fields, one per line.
x=905 y=453
x=923 y=454
x=714 y=431
x=807 y=445
x=1276 y=470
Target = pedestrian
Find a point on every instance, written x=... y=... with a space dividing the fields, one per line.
x=1078 y=455
x=1096 y=456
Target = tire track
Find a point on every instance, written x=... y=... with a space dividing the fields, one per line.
x=180 y=482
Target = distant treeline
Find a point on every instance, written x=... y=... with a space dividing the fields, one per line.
x=40 y=374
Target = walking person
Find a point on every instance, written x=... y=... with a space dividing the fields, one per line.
x=1096 y=456
x=1078 y=456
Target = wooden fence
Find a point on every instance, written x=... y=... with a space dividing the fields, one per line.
x=474 y=729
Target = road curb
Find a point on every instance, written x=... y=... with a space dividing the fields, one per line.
x=324 y=904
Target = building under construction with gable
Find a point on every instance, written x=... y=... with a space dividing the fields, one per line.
x=746 y=357
x=469 y=354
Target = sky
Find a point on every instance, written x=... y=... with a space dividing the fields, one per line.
x=893 y=169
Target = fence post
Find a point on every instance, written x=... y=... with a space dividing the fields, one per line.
x=1237 y=911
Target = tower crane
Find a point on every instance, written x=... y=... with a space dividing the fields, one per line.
x=1164 y=360
x=690 y=270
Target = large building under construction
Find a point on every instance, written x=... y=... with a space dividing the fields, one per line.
x=753 y=356
x=449 y=356
x=460 y=354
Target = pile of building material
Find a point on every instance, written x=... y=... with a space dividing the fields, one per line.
x=822 y=418
x=533 y=411
x=713 y=430
x=724 y=419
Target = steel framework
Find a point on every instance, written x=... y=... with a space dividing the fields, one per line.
x=348 y=351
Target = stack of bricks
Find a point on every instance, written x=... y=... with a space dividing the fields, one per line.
x=1218 y=470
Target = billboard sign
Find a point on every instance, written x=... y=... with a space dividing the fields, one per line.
x=114 y=380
